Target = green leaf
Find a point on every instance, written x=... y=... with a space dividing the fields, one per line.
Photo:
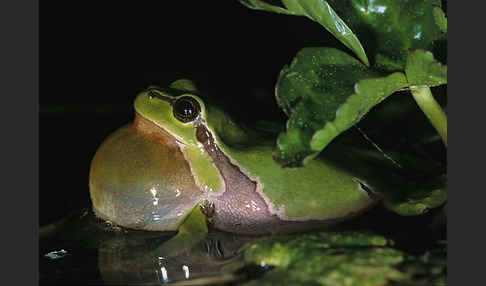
x=326 y=258
x=417 y=199
x=349 y=258
x=388 y=29
x=440 y=19
x=423 y=70
x=417 y=205
x=324 y=92
x=429 y=268
x=320 y=12
x=261 y=5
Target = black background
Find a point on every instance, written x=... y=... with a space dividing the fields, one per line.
x=95 y=56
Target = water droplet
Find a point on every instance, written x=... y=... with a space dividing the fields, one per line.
x=156 y=217
x=56 y=254
x=153 y=191
x=185 y=268
x=163 y=271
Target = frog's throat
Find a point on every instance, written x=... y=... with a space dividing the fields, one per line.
x=147 y=126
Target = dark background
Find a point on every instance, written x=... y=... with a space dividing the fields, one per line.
x=95 y=56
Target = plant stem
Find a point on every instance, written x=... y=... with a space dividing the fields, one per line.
x=432 y=110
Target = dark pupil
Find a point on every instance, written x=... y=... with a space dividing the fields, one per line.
x=186 y=109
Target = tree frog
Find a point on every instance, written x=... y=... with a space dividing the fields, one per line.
x=181 y=153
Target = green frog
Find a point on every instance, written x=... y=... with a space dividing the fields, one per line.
x=182 y=153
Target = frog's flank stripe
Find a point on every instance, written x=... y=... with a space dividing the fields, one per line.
x=240 y=208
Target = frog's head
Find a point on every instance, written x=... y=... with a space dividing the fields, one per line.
x=143 y=175
x=152 y=173
x=176 y=109
x=179 y=111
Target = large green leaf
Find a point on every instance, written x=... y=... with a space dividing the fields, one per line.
x=319 y=11
x=388 y=29
x=326 y=258
x=325 y=91
x=343 y=258
x=423 y=70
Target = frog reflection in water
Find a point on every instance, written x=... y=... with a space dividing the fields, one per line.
x=180 y=153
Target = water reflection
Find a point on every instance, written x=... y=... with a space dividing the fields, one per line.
x=136 y=257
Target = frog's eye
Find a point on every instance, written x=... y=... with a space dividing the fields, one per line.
x=186 y=109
